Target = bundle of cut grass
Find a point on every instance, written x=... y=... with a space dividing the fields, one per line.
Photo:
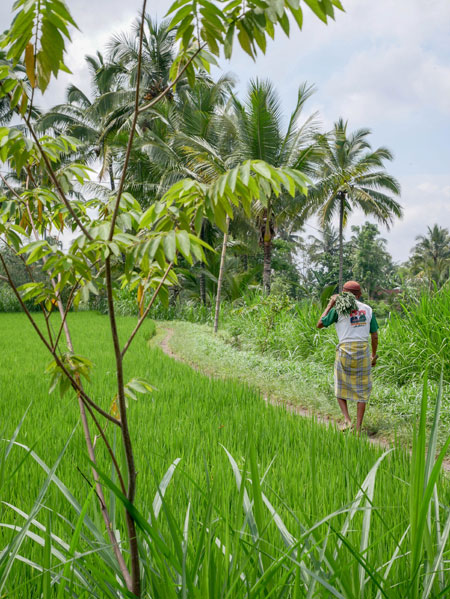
x=345 y=303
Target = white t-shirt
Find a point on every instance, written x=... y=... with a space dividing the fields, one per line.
x=355 y=327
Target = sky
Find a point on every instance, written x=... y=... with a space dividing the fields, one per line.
x=381 y=64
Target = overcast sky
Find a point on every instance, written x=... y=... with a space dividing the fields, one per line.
x=382 y=64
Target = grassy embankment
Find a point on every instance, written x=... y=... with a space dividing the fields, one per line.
x=310 y=470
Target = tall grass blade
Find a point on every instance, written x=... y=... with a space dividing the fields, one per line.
x=162 y=488
x=104 y=549
x=8 y=556
x=73 y=545
x=184 y=585
x=9 y=446
x=391 y=562
x=368 y=482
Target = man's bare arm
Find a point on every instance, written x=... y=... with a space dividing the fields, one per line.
x=327 y=309
x=374 y=340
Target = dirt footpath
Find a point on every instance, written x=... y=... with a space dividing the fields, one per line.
x=301 y=411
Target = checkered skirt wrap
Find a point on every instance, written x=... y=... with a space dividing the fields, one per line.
x=352 y=371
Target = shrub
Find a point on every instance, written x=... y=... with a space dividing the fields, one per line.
x=417 y=339
x=8 y=301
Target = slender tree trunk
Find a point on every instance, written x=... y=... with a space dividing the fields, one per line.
x=245 y=261
x=202 y=278
x=341 y=240
x=267 y=264
x=202 y=282
x=221 y=271
x=111 y=177
x=267 y=247
x=135 y=586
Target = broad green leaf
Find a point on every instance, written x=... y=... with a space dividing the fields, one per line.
x=29 y=64
x=169 y=245
x=183 y=243
x=245 y=40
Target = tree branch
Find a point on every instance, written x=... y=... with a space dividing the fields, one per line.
x=31 y=275
x=55 y=181
x=12 y=190
x=108 y=447
x=128 y=447
x=51 y=172
x=133 y=125
x=147 y=310
x=66 y=311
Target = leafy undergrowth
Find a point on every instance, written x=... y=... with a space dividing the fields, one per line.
x=306 y=382
x=414 y=337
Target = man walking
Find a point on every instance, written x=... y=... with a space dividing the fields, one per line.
x=354 y=359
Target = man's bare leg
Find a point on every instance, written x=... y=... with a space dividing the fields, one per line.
x=344 y=410
x=361 y=408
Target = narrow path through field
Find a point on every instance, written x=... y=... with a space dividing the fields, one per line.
x=301 y=411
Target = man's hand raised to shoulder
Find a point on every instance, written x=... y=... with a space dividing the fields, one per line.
x=330 y=305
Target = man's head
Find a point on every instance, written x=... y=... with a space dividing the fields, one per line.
x=353 y=287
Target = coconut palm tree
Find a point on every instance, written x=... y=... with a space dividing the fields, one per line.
x=184 y=142
x=257 y=126
x=321 y=249
x=158 y=53
x=350 y=175
x=431 y=255
x=85 y=118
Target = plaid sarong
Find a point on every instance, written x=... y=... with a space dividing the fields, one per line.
x=352 y=371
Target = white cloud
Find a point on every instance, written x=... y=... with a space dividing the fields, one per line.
x=371 y=22
x=390 y=84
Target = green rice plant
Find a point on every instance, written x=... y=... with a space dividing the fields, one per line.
x=284 y=512
x=212 y=549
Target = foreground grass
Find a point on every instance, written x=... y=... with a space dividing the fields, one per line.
x=309 y=470
x=307 y=383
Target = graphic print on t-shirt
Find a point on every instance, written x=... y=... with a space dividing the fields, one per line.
x=358 y=318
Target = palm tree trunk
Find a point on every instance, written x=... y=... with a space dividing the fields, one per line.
x=341 y=240
x=221 y=271
x=202 y=278
x=267 y=264
x=111 y=177
x=267 y=246
x=202 y=282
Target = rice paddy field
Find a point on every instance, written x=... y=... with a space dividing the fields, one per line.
x=291 y=529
